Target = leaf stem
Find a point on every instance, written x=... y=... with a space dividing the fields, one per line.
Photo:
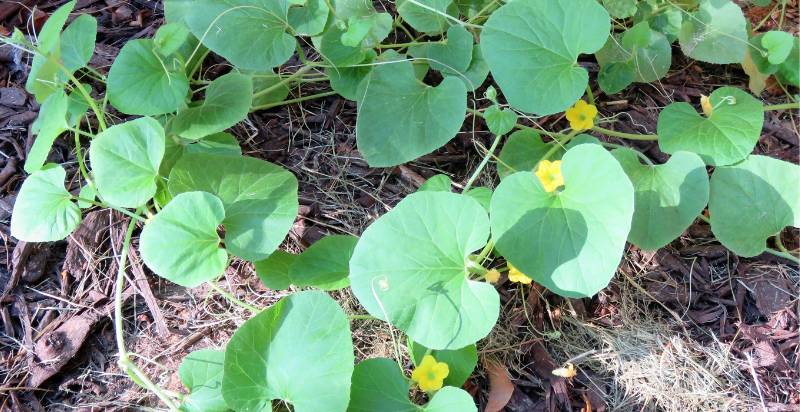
x=483 y=163
x=300 y=72
x=638 y=153
x=520 y=126
x=361 y=317
x=784 y=106
x=104 y=205
x=557 y=144
x=125 y=363
x=629 y=136
x=784 y=255
x=406 y=45
x=296 y=100
x=233 y=299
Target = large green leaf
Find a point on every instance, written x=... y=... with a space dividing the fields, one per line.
x=44 y=210
x=716 y=33
x=727 y=136
x=401 y=118
x=274 y=270
x=346 y=80
x=753 y=200
x=461 y=362
x=476 y=73
x=532 y=49
x=45 y=76
x=52 y=121
x=570 y=241
x=646 y=51
x=181 y=244
x=77 y=42
x=667 y=197
x=324 y=265
x=227 y=102
x=201 y=373
x=409 y=268
x=251 y=34
x=428 y=16
x=452 y=56
x=216 y=144
x=260 y=198
x=309 y=19
x=125 y=159
x=379 y=385
x=141 y=83
x=299 y=351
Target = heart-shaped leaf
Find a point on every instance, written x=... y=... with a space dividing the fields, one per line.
x=346 y=80
x=45 y=76
x=223 y=144
x=227 y=102
x=428 y=18
x=616 y=76
x=170 y=37
x=500 y=121
x=522 y=152
x=667 y=197
x=715 y=33
x=570 y=241
x=52 y=121
x=310 y=19
x=141 y=83
x=181 y=244
x=251 y=34
x=125 y=159
x=535 y=64
x=260 y=198
x=379 y=385
x=201 y=373
x=461 y=362
x=753 y=200
x=44 y=210
x=274 y=270
x=324 y=264
x=77 y=42
x=400 y=118
x=299 y=351
x=409 y=268
x=437 y=183
x=452 y=56
x=476 y=73
x=727 y=136
x=646 y=52
x=778 y=45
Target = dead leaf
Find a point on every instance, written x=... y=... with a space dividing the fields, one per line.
x=500 y=387
x=758 y=80
x=54 y=349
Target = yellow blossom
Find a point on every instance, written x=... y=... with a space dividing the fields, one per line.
x=492 y=276
x=429 y=374
x=705 y=103
x=566 y=372
x=515 y=275
x=549 y=173
x=581 y=116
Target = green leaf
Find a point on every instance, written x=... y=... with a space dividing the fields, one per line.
x=476 y=73
x=201 y=373
x=299 y=350
x=379 y=385
x=52 y=121
x=338 y=54
x=223 y=144
x=310 y=19
x=77 y=106
x=499 y=121
x=44 y=210
x=716 y=33
x=667 y=197
x=522 y=152
x=570 y=241
x=753 y=200
x=251 y=34
x=620 y=9
x=324 y=265
x=400 y=118
x=429 y=19
x=260 y=198
x=437 y=183
x=367 y=30
x=87 y=192
x=269 y=80
x=481 y=194
x=125 y=159
x=181 y=244
x=45 y=76
x=461 y=362
x=227 y=102
x=409 y=268
x=535 y=64
x=616 y=76
x=140 y=83
x=346 y=80
x=77 y=42
x=646 y=51
x=788 y=72
x=170 y=37
x=452 y=56
x=725 y=137
x=778 y=44
x=274 y=270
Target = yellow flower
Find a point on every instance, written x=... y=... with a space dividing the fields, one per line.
x=549 y=173
x=515 y=275
x=705 y=103
x=566 y=372
x=581 y=116
x=429 y=374
x=492 y=276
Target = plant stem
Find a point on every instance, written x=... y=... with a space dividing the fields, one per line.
x=589 y=94
x=784 y=255
x=300 y=72
x=361 y=317
x=124 y=361
x=638 y=153
x=483 y=163
x=520 y=126
x=291 y=101
x=79 y=155
x=485 y=252
x=233 y=299
x=103 y=205
x=784 y=106
x=405 y=45
x=629 y=136
x=557 y=144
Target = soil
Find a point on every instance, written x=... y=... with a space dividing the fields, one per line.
x=690 y=327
